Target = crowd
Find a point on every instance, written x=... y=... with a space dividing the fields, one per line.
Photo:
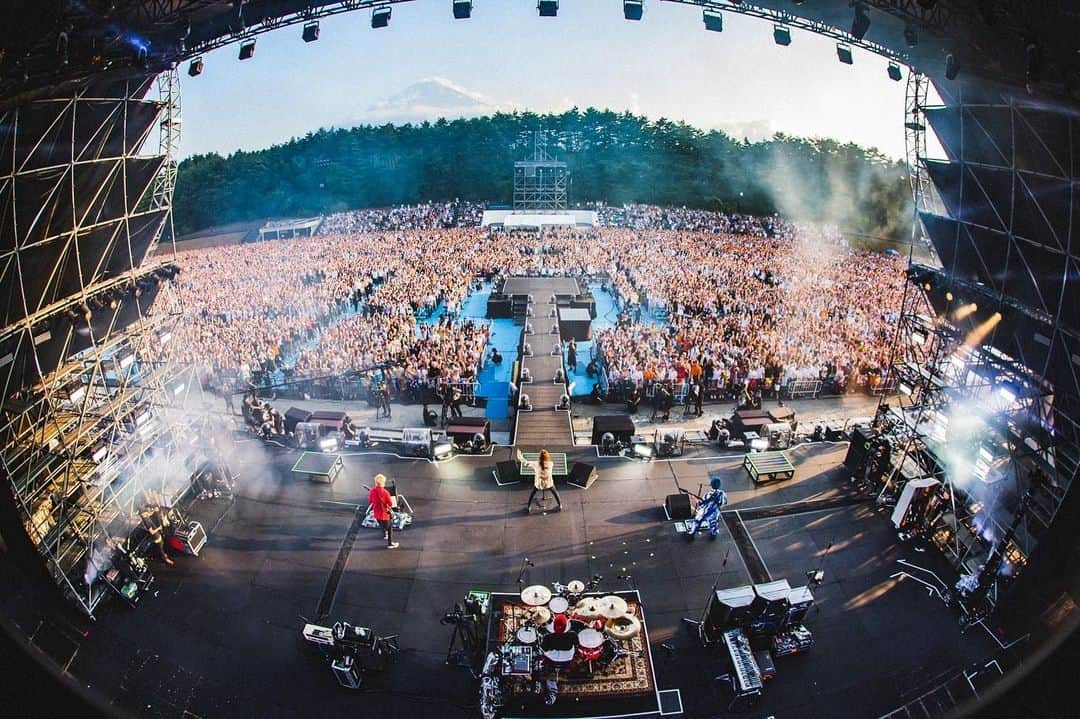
x=746 y=300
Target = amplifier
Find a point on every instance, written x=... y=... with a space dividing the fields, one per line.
x=346 y=673
x=677 y=506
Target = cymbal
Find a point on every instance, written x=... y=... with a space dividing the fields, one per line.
x=536 y=595
x=623 y=627
x=540 y=615
x=587 y=609
x=612 y=606
x=576 y=586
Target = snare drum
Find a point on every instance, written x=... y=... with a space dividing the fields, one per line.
x=526 y=635
x=590 y=645
x=558 y=605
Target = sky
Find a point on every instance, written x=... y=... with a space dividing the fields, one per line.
x=508 y=58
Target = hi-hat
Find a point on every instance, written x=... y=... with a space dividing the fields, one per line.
x=576 y=586
x=536 y=595
x=612 y=606
x=540 y=615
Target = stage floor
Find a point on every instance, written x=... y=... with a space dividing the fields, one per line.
x=536 y=285
x=219 y=635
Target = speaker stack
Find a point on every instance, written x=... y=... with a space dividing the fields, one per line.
x=582 y=475
x=677 y=506
x=858 y=453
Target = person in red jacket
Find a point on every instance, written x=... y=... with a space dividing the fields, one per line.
x=381 y=503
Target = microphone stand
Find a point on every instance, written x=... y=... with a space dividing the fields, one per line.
x=525 y=564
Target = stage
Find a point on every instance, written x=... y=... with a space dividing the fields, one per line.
x=221 y=635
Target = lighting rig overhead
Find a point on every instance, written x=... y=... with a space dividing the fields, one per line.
x=714 y=21
x=633 y=9
x=547 y=8
x=781 y=35
x=380 y=16
x=247 y=49
x=462 y=9
x=311 y=31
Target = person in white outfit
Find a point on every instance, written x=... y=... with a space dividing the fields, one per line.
x=542 y=479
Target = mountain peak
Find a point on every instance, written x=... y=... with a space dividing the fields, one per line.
x=429 y=99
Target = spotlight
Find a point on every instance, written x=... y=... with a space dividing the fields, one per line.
x=311 y=31
x=564 y=401
x=462 y=9
x=951 y=67
x=525 y=402
x=948 y=296
x=633 y=9
x=560 y=377
x=196 y=67
x=247 y=49
x=547 y=8
x=714 y=21
x=781 y=35
x=843 y=53
x=1034 y=62
x=905 y=388
x=911 y=35
x=894 y=72
x=527 y=350
x=861 y=23
x=526 y=375
x=380 y=17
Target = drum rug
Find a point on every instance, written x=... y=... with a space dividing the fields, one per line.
x=627 y=675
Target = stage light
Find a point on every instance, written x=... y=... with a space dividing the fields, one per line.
x=861 y=23
x=633 y=9
x=911 y=35
x=965 y=311
x=714 y=21
x=525 y=402
x=443 y=450
x=547 y=8
x=905 y=388
x=919 y=337
x=894 y=72
x=843 y=53
x=1033 y=72
x=951 y=67
x=311 y=31
x=196 y=67
x=948 y=296
x=247 y=49
x=781 y=35
x=643 y=451
x=982 y=331
x=327 y=444
x=564 y=401
x=380 y=17
x=462 y=9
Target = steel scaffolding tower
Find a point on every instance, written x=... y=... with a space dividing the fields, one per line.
x=91 y=416
x=540 y=184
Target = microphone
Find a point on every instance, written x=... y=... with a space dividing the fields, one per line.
x=529 y=562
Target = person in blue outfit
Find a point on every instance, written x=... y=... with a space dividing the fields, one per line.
x=708 y=510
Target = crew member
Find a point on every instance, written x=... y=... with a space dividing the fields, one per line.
x=542 y=477
x=154 y=522
x=384 y=398
x=381 y=503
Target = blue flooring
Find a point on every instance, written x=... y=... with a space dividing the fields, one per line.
x=494 y=379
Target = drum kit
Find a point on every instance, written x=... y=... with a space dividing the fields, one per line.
x=568 y=630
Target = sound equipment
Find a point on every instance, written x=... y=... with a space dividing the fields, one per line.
x=506 y=473
x=677 y=506
x=770 y=605
x=727 y=608
x=327 y=417
x=859 y=450
x=293 y=416
x=462 y=429
x=619 y=425
x=799 y=602
x=346 y=673
x=834 y=433
x=582 y=475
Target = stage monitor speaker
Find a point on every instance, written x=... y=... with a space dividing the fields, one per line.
x=677 y=506
x=834 y=433
x=729 y=608
x=507 y=473
x=618 y=424
x=582 y=475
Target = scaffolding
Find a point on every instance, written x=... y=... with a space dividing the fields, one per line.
x=540 y=183
x=91 y=416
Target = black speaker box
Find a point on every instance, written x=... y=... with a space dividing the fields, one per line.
x=678 y=506
x=834 y=433
x=507 y=472
x=582 y=475
x=859 y=449
x=294 y=415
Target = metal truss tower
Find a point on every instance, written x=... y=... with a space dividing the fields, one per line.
x=541 y=183
x=91 y=416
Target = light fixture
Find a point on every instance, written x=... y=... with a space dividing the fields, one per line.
x=919 y=337
x=126 y=360
x=905 y=388
x=547 y=8
x=861 y=23
x=526 y=374
x=380 y=17
x=311 y=31
x=911 y=35
x=951 y=67
x=178 y=389
x=247 y=49
x=643 y=451
x=164 y=337
x=327 y=443
x=462 y=9
x=100 y=453
x=843 y=53
x=525 y=402
x=781 y=35
x=760 y=444
x=633 y=9
x=527 y=350
x=76 y=396
x=714 y=21
x=560 y=376
x=196 y=67
x=893 y=72
x=443 y=450
x=142 y=418
x=564 y=401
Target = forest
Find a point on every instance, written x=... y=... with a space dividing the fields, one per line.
x=614 y=158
